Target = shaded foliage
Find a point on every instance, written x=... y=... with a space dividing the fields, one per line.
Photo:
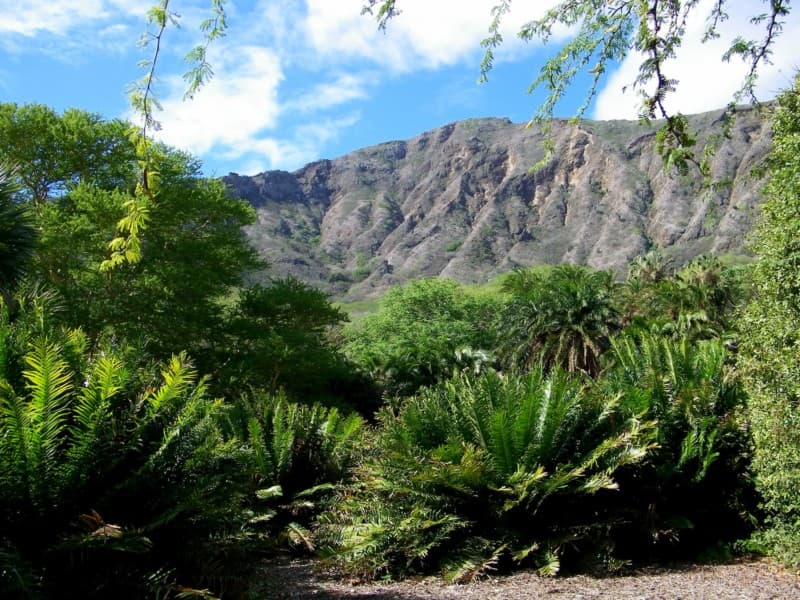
x=280 y=337
x=695 y=489
x=299 y=453
x=107 y=471
x=17 y=235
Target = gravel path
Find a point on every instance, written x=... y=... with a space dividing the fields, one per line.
x=744 y=580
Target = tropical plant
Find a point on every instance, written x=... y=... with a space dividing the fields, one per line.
x=698 y=301
x=483 y=473
x=651 y=266
x=17 y=236
x=560 y=316
x=299 y=453
x=102 y=485
x=696 y=483
x=770 y=356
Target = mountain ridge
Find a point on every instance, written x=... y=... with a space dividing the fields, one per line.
x=461 y=201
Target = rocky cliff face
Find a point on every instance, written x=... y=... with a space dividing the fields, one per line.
x=462 y=202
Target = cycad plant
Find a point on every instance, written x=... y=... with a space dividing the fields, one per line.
x=487 y=472
x=696 y=302
x=106 y=490
x=695 y=485
x=299 y=453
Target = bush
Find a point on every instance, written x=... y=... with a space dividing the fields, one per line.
x=298 y=454
x=108 y=490
x=480 y=473
x=695 y=489
x=770 y=357
x=415 y=338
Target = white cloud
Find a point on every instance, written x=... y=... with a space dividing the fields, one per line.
x=345 y=88
x=427 y=34
x=303 y=147
x=237 y=116
x=230 y=111
x=705 y=81
x=62 y=16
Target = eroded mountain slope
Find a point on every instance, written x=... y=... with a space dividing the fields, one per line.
x=461 y=201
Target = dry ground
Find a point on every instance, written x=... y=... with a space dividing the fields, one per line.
x=744 y=580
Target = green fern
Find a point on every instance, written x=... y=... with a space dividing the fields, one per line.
x=696 y=482
x=298 y=453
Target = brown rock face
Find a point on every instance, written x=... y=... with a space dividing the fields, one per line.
x=462 y=202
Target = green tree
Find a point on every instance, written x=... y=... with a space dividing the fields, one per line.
x=17 y=236
x=193 y=254
x=770 y=353
x=53 y=152
x=280 y=337
x=414 y=338
x=561 y=316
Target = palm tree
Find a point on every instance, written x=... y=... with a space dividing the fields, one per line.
x=651 y=266
x=559 y=317
x=17 y=235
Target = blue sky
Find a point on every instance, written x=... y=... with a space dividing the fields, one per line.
x=300 y=80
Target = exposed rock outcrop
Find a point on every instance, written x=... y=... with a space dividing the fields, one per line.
x=461 y=201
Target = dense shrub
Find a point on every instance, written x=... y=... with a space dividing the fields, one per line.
x=694 y=490
x=770 y=357
x=480 y=473
x=298 y=454
x=420 y=334
x=115 y=480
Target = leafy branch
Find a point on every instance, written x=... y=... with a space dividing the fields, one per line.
x=127 y=246
x=609 y=31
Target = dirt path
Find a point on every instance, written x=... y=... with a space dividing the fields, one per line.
x=743 y=580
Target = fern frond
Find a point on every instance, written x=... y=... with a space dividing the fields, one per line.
x=178 y=376
x=300 y=536
x=91 y=412
x=473 y=563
